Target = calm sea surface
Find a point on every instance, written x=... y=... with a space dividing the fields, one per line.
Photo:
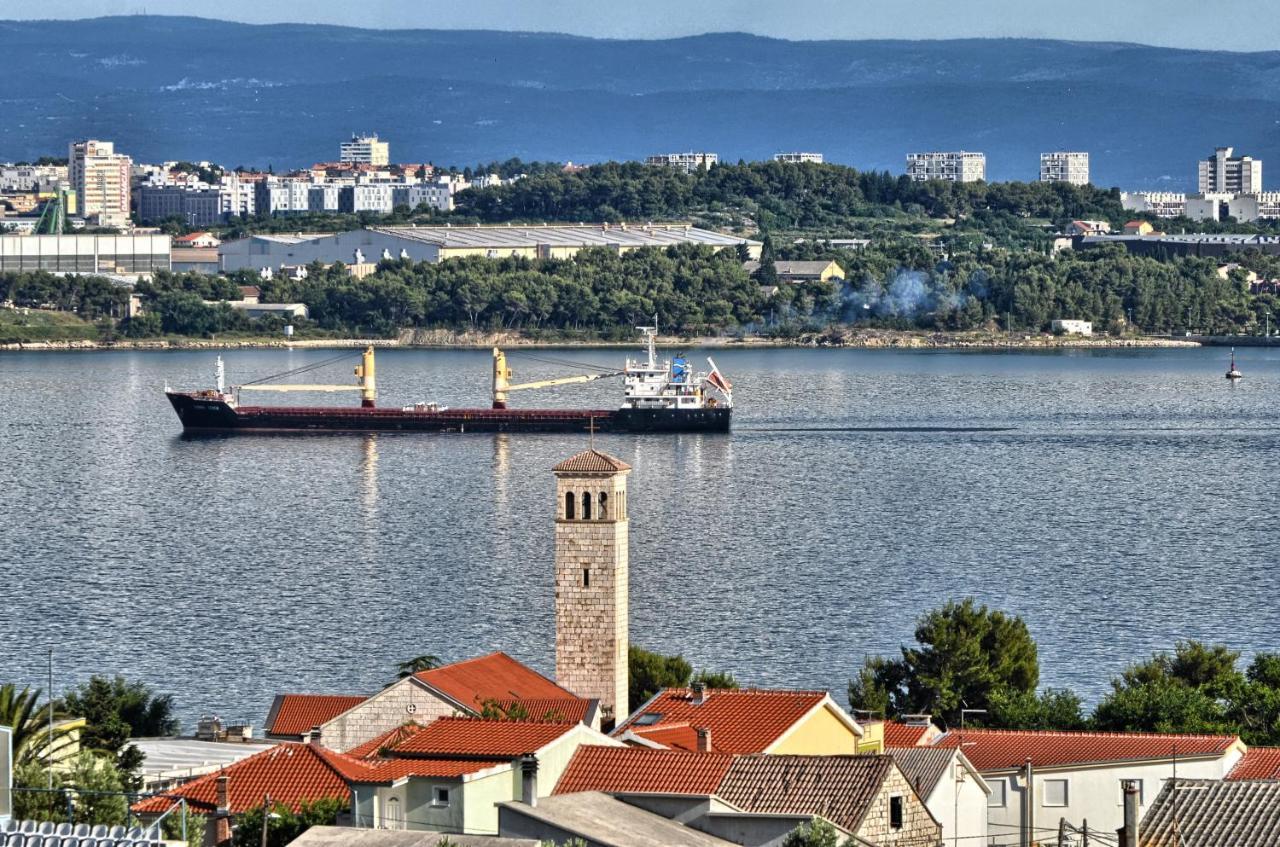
x=1129 y=503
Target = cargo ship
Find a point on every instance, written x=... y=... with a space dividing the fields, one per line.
x=658 y=396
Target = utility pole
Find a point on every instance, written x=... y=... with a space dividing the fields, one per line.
x=48 y=746
x=266 y=817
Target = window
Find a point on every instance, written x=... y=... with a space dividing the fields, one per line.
x=895 y=812
x=648 y=719
x=996 y=799
x=602 y=511
x=586 y=505
x=1055 y=792
x=1142 y=799
x=439 y=795
x=586 y=577
x=568 y=505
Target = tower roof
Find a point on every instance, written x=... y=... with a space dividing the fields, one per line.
x=592 y=462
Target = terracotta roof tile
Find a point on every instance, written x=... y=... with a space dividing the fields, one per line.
x=995 y=749
x=1257 y=763
x=372 y=748
x=899 y=734
x=386 y=771
x=592 y=461
x=551 y=709
x=475 y=737
x=745 y=721
x=493 y=677
x=290 y=772
x=295 y=714
x=674 y=736
x=1240 y=813
x=640 y=771
x=839 y=788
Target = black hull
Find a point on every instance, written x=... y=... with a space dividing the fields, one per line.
x=201 y=414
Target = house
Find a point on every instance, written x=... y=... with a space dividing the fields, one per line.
x=746 y=721
x=1072 y=327
x=345 y=836
x=250 y=293
x=910 y=731
x=598 y=820
x=258 y=310
x=952 y=789
x=1213 y=813
x=756 y=800
x=461 y=688
x=448 y=775
x=1225 y=271
x=292 y=716
x=1077 y=775
x=1135 y=228
x=801 y=272
x=1257 y=763
x=1081 y=228
x=197 y=239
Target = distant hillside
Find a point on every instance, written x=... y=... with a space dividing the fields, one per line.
x=285 y=95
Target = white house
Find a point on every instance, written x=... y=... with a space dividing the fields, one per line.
x=1070 y=327
x=952 y=789
x=1038 y=778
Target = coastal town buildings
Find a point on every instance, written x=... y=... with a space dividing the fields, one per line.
x=690 y=162
x=365 y=150
x=1070 y=167
x=798 y=158
x=1226 y=173
x=958 y=166
x=101 y=179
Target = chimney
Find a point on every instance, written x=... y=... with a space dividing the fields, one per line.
x=222 y=813
x=313 y=737
x=704 y=739
x=529 y=779
x=1129 y=832
x=699 y=693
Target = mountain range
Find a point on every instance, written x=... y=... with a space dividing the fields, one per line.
x=285 y=95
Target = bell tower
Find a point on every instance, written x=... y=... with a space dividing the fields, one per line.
x=591 y=579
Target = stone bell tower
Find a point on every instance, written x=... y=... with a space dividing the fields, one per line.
x=591 y=579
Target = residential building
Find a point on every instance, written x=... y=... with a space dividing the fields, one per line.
x=1257 y=763
x=1212 y=813
x=101 y=180
x=438 y=243
x=198 y=207
x=910 y=731
x=345 y=836
x=757 y=800
x=1065 y=167
x=597 y=819
x=1072 y=327
x=1226 y=173
x=1162 y=204
x=1253 y=207
x=952 y=789
x=798 y=158
x=116 y=254
x=797 y=273
x=958 y=166
x=327 y=197
x=366 y=197
x=1039 y=776
x=1087 y=228
x=275 y=196
x=365 y=150
x=1135 y=228
x=1188 y=244
x=253 y=311
x=292 y=716
x=687 y=162
x=745 y=721
x=33 y=178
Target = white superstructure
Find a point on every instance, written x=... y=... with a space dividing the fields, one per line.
x=671 y=384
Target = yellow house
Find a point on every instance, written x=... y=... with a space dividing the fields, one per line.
x=748 y=721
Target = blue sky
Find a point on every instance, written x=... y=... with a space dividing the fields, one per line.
x=1207 y=24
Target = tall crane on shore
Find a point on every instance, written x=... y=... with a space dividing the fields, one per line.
x=53 y=219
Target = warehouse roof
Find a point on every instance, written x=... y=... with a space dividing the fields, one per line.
x=572 y=235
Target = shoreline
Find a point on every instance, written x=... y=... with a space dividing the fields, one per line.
x=445 y=340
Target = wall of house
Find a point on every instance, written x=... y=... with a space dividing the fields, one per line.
x=754 y=830
x=960 y=806
x=820 y=734
x=1093 y=793
x=406 y=700
x=422 y=812
x=918 y=826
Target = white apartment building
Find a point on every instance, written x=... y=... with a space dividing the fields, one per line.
x=688 y=162
x=1162 y=204
x=1226 y=173
x=1065 y=167
x=1252 y=207
x=32 y=177
x=101 y=180
x=958 y=166
x=365 y=150
x=797 y=158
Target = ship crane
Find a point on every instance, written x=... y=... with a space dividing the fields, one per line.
x=366 y=382
x=502 y=380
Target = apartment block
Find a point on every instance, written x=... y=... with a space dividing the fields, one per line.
x=1162 y=204
x=958 y=166
x=1065 y=167
x=1252 y=207
x=365 y=150
x=798 y=158
x=687 y=162
x=101 y=180
x=1226 y=173
x=198 y=208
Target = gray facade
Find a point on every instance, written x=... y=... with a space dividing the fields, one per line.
x=85 y=253
x=195 y=208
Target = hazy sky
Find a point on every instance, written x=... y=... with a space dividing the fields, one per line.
x=1210 y=24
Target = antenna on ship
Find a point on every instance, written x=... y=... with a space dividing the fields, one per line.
x=591 y=432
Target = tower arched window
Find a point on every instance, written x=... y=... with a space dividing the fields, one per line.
x=568 y=505
x=602 y=507
x=586 y=505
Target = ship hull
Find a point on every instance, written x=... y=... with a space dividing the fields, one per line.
x=208 y=415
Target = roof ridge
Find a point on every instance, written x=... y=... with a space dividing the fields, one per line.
x=1089 y=732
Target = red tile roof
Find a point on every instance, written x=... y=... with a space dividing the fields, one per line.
x=994 y=749
x=290 y=772
x=840 y=789
x=898 y=734
x=493 y=677
x=746 y=721
x=550 y=709
x=386 y=771
x=295 y=714
x=675 y=737
x=592 y=461
x=636 y=770
x=373 y=748
x=1257 y=763
x=478 y=738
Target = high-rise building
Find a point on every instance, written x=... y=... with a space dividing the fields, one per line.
x=797 y=158
x=960 y=166
x=1225 y=173
x=365 y=150
x=592 y=579
x=687 y=162
x=100 y=178
x=1065 y=167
